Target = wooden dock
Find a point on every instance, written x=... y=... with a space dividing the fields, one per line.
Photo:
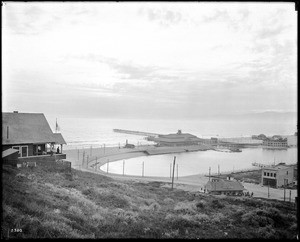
x=135 y=132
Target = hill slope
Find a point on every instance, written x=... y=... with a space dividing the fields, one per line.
x=49 y=203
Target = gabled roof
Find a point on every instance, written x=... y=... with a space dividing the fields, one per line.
x=59 y=139
x=224 y=185
x=26 y=128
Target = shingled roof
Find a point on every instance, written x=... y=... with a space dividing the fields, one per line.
x=26 y=128
x=224 y=185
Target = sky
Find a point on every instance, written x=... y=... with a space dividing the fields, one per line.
x=149 y=59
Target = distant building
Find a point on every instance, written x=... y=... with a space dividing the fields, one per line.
x=219 y=186
x=127 y=145
x=279 y=175
x=178 y=139
x=275 y=143
x=29 y=134
x=260 y=137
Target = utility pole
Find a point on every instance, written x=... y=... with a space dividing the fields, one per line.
x=290 y=199
x=209 y=174
x=284 y=184
x=83 y=158
x=218 y=169
x=123 y=166
x=173 y=171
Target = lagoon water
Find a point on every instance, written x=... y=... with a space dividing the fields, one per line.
x=192 y=163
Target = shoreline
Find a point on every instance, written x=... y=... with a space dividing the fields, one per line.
x=191 y=183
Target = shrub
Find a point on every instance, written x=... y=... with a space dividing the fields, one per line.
x=218 y=217
x=266 y=232
x=75 y=210
x=185 y=207
x=202 y=217
x=154 y=206
x=168 y=200
x=200 y=205
x=217 y=204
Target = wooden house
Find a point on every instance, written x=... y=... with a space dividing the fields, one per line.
x=30 y=134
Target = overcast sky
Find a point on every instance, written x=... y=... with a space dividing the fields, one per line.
x=149 y=59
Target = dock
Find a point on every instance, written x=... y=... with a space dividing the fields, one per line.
x=135 y=132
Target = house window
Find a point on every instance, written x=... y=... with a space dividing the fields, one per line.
x=274 y=174
x=265 y=173
x=268 y=174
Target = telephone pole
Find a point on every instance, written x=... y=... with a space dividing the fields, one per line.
x=173 y=171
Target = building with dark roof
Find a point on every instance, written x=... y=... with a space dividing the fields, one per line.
x=219 y=185
x=178 y=139
x=29 y=133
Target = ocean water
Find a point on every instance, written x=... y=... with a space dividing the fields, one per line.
x=87 y=132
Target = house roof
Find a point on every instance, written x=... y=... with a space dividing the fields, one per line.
x=8 y=152
x=26 y=128
x=224 y=185
x=59 y=139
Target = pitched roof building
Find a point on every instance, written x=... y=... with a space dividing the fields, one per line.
x=219 y=185
x=29 y=133
x=178 y=139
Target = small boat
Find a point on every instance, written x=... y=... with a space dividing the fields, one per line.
x=235 y=150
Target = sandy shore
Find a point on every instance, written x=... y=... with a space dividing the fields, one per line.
x=188 y=183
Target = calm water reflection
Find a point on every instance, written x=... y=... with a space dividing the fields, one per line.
x=192 y=163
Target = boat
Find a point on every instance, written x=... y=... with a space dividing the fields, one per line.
x=235 y=150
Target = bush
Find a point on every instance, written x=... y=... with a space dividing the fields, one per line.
x=217 y=204
x=200 y=205
x=185 y=208
x=168 y=201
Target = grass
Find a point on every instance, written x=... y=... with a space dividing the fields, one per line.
x=48 y=203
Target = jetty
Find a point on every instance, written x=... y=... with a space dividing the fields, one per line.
x=134 y=132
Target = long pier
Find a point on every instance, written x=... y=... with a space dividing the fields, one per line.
x=135 y=132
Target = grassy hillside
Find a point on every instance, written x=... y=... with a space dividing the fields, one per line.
x=49 y=203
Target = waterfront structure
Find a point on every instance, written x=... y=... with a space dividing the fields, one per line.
x=259 y=137
x=219 y=185
x=29 y=134
x=278 y=175
x=178 y=139
x=275 y=142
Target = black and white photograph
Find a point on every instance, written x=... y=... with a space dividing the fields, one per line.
x=149 y=120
